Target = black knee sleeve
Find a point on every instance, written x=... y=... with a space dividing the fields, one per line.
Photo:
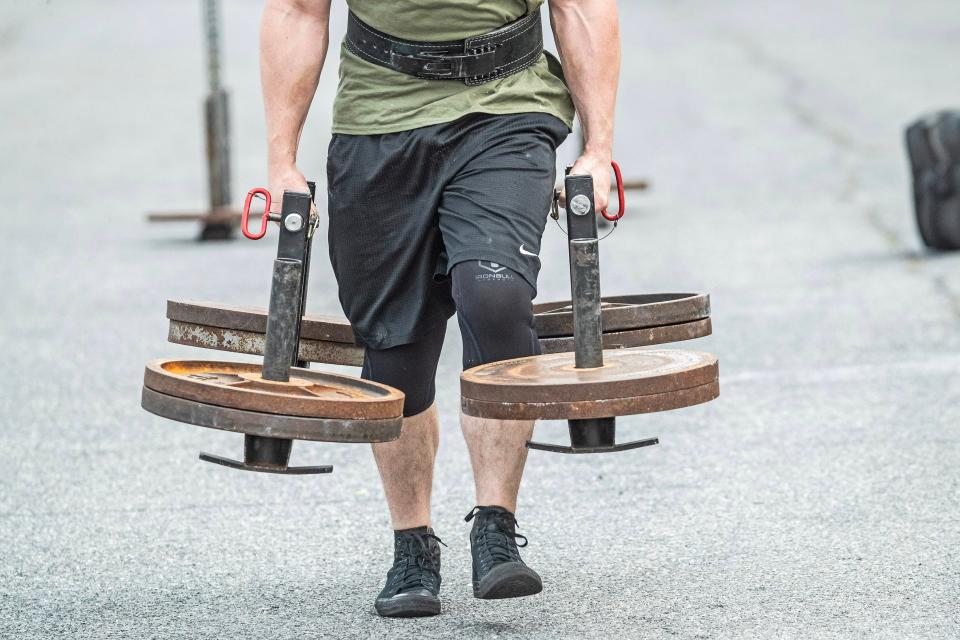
x=411 y=368
x=495 y=311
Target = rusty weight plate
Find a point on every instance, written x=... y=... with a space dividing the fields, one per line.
x=553 y=319
x=636 y=337
x=270 y=425
x=254 y=320
x=351 y=355
x=626 y=313
x=240 y=341
x=671 y=317
x=550 y=386
x=311 y=394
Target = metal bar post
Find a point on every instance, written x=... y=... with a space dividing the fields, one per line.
x=288 y=290
x=288 y=294
x=588 y=435
x=584 y=272
x=585 y=300
x=287 y=298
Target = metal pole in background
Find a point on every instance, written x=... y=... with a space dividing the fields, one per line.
x=217 y=107
x=220 y=219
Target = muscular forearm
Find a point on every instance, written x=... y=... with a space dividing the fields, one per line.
x=588 y=37
x=293 y=45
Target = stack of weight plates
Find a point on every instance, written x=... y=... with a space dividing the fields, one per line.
x=312 y=405
x=628 y=321
x=326 y=339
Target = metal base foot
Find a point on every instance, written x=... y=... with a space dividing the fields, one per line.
x=266 y=455
x=264 y=468
x=593 y=435
x=624 y=446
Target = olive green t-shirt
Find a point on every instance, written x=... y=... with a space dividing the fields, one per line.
x=372 y=99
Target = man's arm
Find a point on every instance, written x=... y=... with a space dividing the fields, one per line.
x=293 y=44
x=587 y=33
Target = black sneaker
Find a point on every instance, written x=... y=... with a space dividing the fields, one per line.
x=413 y=583
x=498 y=571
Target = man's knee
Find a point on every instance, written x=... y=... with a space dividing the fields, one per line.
x=495 y=312
x=411 y=368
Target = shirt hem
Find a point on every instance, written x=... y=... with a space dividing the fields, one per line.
x=427 y=122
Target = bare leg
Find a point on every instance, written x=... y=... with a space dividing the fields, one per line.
x=498 y=453
x=406 y=469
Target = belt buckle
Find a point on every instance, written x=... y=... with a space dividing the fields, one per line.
x=434 y=64
x=479 y=62
x=440 y=64
x=445 y=65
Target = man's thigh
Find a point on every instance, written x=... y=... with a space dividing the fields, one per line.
x=384 y=240
x=494 y=208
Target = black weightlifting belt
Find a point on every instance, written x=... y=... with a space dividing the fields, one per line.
x=478 y=59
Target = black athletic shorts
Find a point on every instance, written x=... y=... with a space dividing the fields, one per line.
x=405 y=207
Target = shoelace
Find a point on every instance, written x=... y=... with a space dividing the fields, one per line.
x=420 y=567
x=498 y=544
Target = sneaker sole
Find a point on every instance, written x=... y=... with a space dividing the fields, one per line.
x=508 y=580
x=413 y=607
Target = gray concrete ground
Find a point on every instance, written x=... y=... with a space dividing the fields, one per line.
x=817 y=498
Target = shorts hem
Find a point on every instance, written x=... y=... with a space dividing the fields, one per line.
x=396 y=340
x=465 y=254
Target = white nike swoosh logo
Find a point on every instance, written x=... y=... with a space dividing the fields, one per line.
x=527 y=253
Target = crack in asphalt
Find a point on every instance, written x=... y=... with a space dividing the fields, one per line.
x=810 y=119
x=794 y=87
x=940 y=286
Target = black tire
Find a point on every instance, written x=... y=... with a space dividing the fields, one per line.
x=948 y=225
x=921 y=160
x=948 y=220
x=938 y=220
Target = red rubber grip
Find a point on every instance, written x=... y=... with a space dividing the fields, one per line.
x=264 y=219
x=620 y=196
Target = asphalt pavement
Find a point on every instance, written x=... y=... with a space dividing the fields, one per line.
x=818 y=497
